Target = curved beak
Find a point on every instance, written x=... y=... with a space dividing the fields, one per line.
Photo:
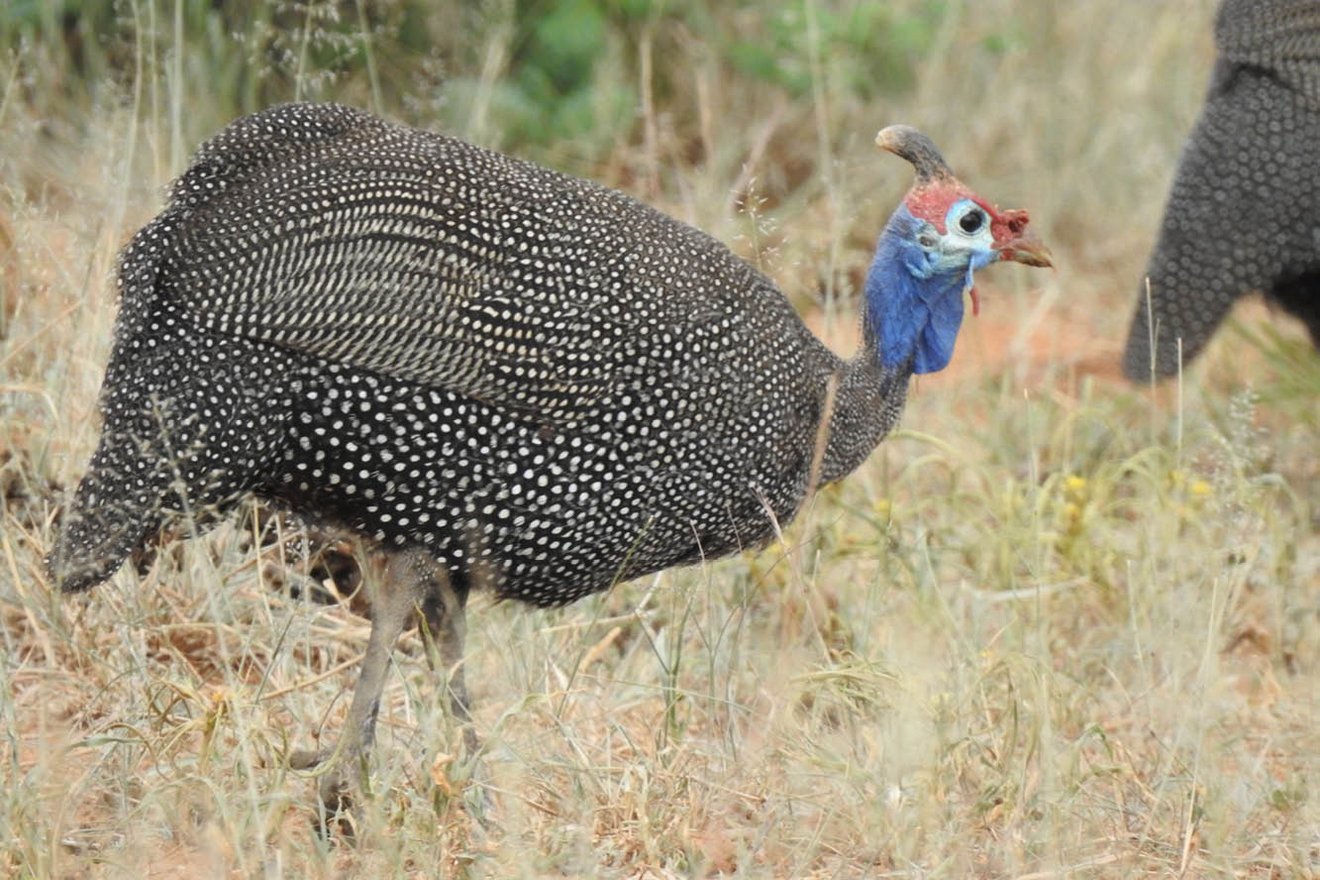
x=1016 y=241
x=1027 y=249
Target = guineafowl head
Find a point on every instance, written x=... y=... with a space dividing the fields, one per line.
x=941 y=233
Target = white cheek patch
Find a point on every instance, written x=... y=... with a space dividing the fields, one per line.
x=956 y=238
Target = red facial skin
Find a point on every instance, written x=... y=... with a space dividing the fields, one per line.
x=931 y=202
x=1013 y=240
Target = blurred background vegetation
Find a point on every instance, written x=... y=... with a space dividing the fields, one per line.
x=549 y=70
x=731 y=116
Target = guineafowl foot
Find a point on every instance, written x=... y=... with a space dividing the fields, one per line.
x=340 y=808
x=306 y=759
x=336 y=796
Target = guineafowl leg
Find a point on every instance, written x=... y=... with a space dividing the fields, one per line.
x=445 y=627
x=405 y=587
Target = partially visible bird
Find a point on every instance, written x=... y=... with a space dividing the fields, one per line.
x=503 y=376
x=1244 y=211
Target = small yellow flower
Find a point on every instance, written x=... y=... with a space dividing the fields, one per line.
x=1074 y=491
x=1201 y=489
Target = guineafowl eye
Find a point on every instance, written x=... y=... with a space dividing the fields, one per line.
x=971 y=222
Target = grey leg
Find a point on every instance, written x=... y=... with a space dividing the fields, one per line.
x=412 y=581
x=445 y=628
x=404 y=587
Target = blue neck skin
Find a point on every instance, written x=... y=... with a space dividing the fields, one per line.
x=914 y=295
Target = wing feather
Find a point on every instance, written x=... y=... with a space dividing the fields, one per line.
x=418 y=256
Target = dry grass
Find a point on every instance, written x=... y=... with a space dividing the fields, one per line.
x=1057 y=627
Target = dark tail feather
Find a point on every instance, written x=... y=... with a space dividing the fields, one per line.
x=107 y=518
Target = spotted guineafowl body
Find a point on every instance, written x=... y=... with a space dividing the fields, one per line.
x=1243 y=214
x=428 y=342
x=503 y=375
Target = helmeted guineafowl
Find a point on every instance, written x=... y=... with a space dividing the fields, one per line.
x=1244 y=211
x=502 y=375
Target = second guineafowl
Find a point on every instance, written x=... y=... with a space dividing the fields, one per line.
x=1243 y=214
x=501 y=375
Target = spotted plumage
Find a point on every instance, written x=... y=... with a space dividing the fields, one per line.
x=1243 y=214
x=503 y=375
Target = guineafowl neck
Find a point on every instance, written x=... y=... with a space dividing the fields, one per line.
x=868 y=401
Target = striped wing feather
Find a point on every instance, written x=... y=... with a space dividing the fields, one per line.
x=417 y=256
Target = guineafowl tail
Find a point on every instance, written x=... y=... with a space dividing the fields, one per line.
x=185 y=436
x=106 y=520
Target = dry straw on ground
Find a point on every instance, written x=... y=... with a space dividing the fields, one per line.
x=1057 y=627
